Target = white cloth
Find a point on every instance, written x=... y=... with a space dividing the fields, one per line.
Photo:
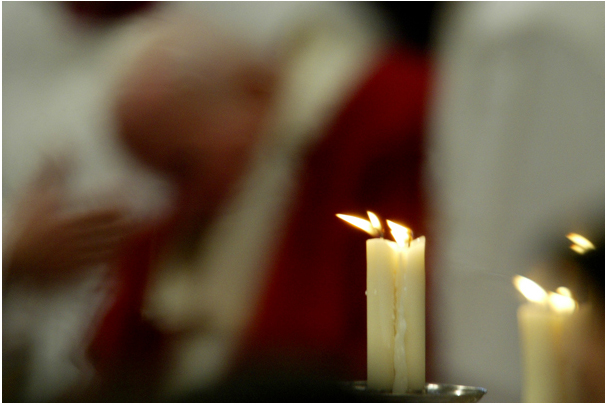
x=518 y=143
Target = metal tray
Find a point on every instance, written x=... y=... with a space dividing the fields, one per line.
x=432 y=393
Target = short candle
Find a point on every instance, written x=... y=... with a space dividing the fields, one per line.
x=541 y=321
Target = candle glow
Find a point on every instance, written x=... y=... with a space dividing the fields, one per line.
x=564 y=291
x=402 y=235
x=541 y=337
x=360 y=223
x=561 y=303
x=530 y=289
x=580 y=245
x=375 y=222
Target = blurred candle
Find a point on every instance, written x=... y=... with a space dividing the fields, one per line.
x=541 y=327
x=579 y=353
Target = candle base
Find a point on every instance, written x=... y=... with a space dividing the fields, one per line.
x=431 y=393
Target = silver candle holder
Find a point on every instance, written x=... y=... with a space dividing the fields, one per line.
x=432 y=392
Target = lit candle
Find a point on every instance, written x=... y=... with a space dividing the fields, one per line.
x=382 y=256
x=415 y=315
x=381 y=263
x=410 y=335
x=541 y=327
x=395 y=308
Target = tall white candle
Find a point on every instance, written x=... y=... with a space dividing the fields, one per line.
x=396 y=311
x=414 y=297
x=401 y=378
x=410 y=328
x=381 y=264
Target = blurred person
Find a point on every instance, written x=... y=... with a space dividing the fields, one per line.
x=246 y=272
x=49 y=245
x=239 y=285
x=517 y=145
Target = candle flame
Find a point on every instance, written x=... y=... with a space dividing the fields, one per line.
x=375 y=222
x=530 y=289
x=361 y=223
x=564 y=291
x=580 y=244
x=561 y=303
x=577 y=249
x=402 y=234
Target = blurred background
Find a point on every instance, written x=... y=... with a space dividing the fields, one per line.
x=514 y=137
x=517 y=162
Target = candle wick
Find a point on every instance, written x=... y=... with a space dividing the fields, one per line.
x=379 y=232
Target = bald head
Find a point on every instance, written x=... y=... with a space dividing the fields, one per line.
x=192 y=106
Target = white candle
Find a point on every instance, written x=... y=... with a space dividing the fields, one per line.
x=410 y=327
x=540 y=328
x=541 y=379
x=576 y=346
x=415 y=315
x=396 y=311
x=381 y=264
x=401 y=378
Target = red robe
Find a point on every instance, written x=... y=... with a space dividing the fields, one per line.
x=312 y=314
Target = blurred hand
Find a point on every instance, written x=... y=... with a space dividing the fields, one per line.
x=54 y=245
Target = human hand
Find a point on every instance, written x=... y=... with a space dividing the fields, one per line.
x=54 y=244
